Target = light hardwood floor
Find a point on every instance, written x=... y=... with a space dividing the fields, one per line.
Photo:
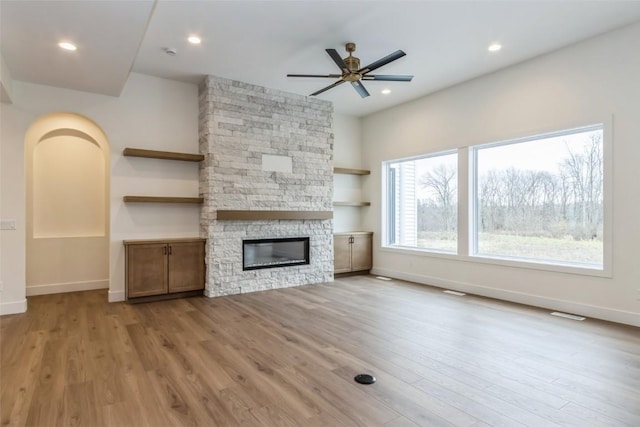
x=288 y=358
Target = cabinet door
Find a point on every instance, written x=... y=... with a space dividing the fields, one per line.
x=361 y=252
x=146 y=270
x=341 y=254
x=186 y=266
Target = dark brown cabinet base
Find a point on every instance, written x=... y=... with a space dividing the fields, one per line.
x=156 y=269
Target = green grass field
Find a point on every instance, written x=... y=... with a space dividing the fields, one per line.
x=542 y=248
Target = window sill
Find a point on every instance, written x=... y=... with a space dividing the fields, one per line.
x=504 y=262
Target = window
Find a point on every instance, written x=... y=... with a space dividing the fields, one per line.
x=422 y=202
x=536 y=202
x=541 y=198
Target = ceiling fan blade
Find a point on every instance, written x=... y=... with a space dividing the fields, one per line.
x=387 y=77
x=383 y=61
x=335 y=76
x=359 y=87
x=337 y=59
x=339 y=82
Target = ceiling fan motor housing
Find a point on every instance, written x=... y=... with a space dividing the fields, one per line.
x=353 y=63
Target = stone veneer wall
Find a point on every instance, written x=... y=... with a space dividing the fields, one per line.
x=239 y=123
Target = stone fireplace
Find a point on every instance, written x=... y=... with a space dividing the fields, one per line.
x=266 y=151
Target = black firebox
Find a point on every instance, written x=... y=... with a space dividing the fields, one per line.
x=271 y=253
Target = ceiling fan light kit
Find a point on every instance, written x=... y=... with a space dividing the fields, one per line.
x=352 y=73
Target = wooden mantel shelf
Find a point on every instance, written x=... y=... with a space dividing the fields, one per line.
x=167 y=155
x=154 y=199
x=227 y=215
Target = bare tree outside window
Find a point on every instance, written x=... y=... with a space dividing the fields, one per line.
x=542 y=199
x=425 y=213
x=536 y=199
x=443 y=182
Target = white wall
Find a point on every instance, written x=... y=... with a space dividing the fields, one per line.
x=347 y=147
x=68 y=188
x=151 y=113
x=347 y=153
x=6 y=82
x=586 y=83
x=67 y=167
x=13 y=125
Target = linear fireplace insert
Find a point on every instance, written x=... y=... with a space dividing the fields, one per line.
x=271 y=253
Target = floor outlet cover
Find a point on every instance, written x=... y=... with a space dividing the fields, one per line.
x=365 y=379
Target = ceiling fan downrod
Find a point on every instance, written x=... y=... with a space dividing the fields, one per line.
x=353 y=63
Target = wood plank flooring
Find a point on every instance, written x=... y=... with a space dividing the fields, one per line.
x=288 y=357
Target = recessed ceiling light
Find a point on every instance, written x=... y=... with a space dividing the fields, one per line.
x=385 y=91
x=494 y=47
x=194 y=40
x=67 y=46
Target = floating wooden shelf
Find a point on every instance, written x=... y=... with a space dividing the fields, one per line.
x=167 y=155
x=351 y=203
x=349 y=171
x=351 y=233
x=271 y=215
x=153 y=199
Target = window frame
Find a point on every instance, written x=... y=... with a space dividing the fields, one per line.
x=467 y=207
x=386 y=191
x=474 y=199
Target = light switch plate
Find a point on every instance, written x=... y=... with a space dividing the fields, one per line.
x=8 y=224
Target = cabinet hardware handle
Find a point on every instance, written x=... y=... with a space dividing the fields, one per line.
x=164 y=250
x=170 y=250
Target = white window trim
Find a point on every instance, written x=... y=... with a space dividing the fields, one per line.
x=467 y=202
x=530 y=265
x=553 y=265
x=384 y=214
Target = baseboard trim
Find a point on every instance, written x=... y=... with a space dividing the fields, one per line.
x=152 y=298
x=350 y=273
x=59 y=288
x=602 y=313
x=15 y=307
x=116 y=296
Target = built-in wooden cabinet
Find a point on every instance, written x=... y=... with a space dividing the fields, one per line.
x=161 y=268
x=352 y=252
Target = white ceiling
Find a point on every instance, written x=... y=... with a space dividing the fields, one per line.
x=260 y=42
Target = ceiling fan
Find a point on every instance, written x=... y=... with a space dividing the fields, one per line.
x=352 y=73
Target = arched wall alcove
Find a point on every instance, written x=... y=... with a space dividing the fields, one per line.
x=67 y=166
